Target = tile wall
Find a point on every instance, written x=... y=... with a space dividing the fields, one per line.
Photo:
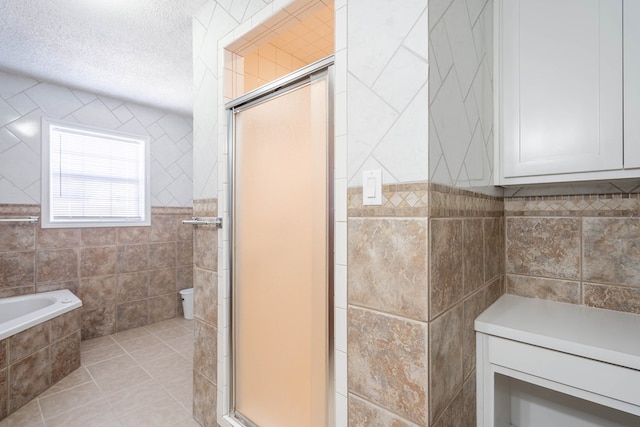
x=24 y=101
x=205 y=287
x=421 y=268
x=37 y=358
x=581 y=249
x=461 y=94
x=386 y=89
x=125 y=276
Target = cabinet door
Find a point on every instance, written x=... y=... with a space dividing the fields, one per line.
x=561 y=86
x=631 y=84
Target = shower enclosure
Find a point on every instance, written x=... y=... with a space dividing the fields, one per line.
x=282 y=252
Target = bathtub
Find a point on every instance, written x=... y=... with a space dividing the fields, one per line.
x=39 y=345
x=22 y=312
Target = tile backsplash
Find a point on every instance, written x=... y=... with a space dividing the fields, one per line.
x=126 y=276
x=582 y=249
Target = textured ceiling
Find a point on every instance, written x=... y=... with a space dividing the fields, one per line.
x=139 y=50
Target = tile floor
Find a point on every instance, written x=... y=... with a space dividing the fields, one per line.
x=140 y=377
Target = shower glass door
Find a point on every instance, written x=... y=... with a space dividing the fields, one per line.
x=280 y=260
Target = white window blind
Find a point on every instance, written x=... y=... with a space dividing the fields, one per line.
x=95 y=177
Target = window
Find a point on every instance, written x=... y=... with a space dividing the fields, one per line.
x=93 y=177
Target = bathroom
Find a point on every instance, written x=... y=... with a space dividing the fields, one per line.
x=414 y=100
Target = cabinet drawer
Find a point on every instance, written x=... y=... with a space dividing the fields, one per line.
x=590 y=375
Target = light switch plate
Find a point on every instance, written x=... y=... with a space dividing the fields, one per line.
x=372 y=187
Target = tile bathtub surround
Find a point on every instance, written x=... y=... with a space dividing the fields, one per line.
x=205 y=289
x=139 y=377
x=452 y=270
x=37 y=358
x=126 y=276
x=581 y=249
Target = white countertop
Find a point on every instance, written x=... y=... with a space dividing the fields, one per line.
x=605 y=335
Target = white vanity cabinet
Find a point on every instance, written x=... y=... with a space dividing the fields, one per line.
x=567 y=90
x=546 y=363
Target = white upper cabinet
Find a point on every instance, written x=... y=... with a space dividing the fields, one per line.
x=559 y=90
x=632 y=84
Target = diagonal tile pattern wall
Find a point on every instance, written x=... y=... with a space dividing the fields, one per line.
x=24 y=101
x=387 y=99
x=126 y=276
x=461 y=94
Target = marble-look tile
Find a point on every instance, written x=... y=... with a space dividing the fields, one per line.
x=133 y=235
x=185 y=231
x=28 y=378
x=134 y=334
x=57 y=238
x=56 y=265
x=96 y=292
x=164 y=228
x=29 y=341
x=111 y=366
x=469 y=400
x=541 y=288
x=103 y=236
x=96 y=343
x=132 y=315
x=17 y=269
x=136 y=397
x=364 y=414
x=3 y=353
x=90 y=357
x=140 y=343
x=78 y=377
x=17 y=237
x=548 y=247
x=446 y=261
x=387 y=261
x=453 y=415
x=98 y=322
x=612 y=250
x=206 y=349
x=65 y=357
x=64 y=325
x=132 y=286
x=162 y=281
x=473 y=261
x=162 y=255
x=473 y=306
x=66 y=400
x=132 y=258
x=152 y=352
x=27 y=416
x=164 y=412
x=184 y=278
x=205 y=248
x=12 y=292
x=185 y=253
x=493 y=247
x=72 y=285
x=96 y=413
x=204 y=400
x=495 y=290
x=4 y=394
x=388 y=363
x=122 y=379
x=612 y=297
x=98 y=261
x=445 y=349
x=162 y=308
x=205 y=290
